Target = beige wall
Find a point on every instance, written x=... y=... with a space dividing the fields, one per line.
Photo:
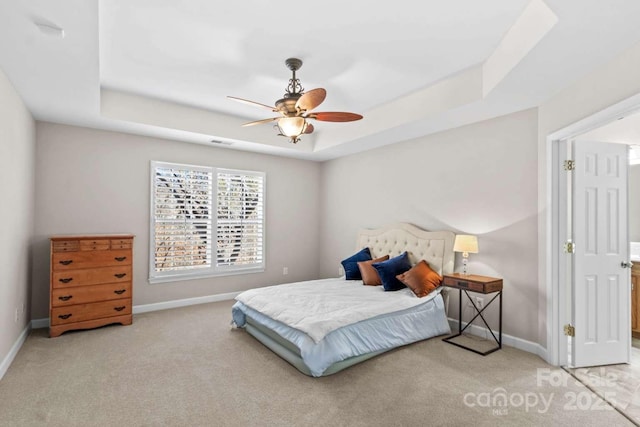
x=478 y=179
x=17 y=151
x=90 y=181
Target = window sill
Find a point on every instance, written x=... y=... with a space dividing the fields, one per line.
x=183 y=277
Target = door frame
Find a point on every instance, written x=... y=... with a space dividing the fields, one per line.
x=555 y=224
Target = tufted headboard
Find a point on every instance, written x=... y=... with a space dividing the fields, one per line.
x=435 y=247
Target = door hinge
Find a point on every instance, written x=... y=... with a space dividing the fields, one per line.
x=569 y=330
x=569 y=165
x=569 y=247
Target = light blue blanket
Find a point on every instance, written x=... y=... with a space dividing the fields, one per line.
x=382 y=332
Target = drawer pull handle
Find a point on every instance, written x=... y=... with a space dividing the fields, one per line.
x=120 y=275
x=65 y=297
x=122 y=307
x=66 y=261
x=120 y=291
x=120 y=258
x=463 y=284
x=64 y=316
x=66 y=279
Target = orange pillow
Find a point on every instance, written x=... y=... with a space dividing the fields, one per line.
x=421 y=279
x=369 y=274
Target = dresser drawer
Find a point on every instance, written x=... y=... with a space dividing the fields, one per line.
x=86 y=294
x=89 y=259
x=65 y=245
x=121 y=244
x=96 y=310
x=472 y=282
x=94 y=245
x=463 y=284
x=90 y=276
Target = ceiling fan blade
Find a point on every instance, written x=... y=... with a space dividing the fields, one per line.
x=255 y=104
x=335 y=116
x=310 y=100
x=309 y=128
x=259 y=122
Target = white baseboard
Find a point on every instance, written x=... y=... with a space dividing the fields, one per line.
x=542 y=352
x=6 y=362
x=40 y=323
x=511 y=341
x=137 y=309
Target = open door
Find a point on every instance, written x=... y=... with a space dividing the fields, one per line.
x=601 y=275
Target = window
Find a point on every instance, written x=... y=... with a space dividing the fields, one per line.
x=205 y=221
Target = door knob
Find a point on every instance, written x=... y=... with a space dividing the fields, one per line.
x=624 y=264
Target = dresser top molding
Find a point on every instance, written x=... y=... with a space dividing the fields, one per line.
x=91 y=236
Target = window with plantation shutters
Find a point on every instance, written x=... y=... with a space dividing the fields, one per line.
x=205 y=221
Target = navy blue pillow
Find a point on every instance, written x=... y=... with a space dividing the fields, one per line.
x=388 y=270
x=350 y=265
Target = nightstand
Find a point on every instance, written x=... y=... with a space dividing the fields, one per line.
x=479 y=284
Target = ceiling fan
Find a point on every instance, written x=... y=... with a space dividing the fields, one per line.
x=295 y=108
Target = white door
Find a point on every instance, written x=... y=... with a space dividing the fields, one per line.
x=601 y=277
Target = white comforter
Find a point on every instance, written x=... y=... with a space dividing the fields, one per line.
x=319 y=307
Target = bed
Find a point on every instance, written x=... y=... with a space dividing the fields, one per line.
x=324 y=326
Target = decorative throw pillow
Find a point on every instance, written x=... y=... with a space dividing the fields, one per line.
x=388 y=270
x=368 y=273
x=350 y=265
x=421 y=279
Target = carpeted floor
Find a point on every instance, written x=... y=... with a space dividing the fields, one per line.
x=186 y=367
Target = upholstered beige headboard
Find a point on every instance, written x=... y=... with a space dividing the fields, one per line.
x=435 y=247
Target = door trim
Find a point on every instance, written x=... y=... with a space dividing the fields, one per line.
x=551 y=240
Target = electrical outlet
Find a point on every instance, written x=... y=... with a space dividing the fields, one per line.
x=285 y=271
x=17 y=314
x=340 y=271
x=479 y=302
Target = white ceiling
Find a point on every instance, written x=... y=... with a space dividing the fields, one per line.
x=164 y=68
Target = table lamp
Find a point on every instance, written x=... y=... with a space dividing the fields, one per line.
x=466 y=244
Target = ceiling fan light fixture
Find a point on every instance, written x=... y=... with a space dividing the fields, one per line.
x=292 y=127
x=296 y=108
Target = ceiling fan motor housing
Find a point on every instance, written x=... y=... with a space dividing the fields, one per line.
x=287 y=105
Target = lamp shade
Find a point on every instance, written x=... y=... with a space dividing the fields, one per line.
x=466 y=243
x=292 y=126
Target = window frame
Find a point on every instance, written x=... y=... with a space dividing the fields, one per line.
x=214 y=270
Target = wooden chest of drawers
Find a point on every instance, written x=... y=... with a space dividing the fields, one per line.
x=91 y=281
